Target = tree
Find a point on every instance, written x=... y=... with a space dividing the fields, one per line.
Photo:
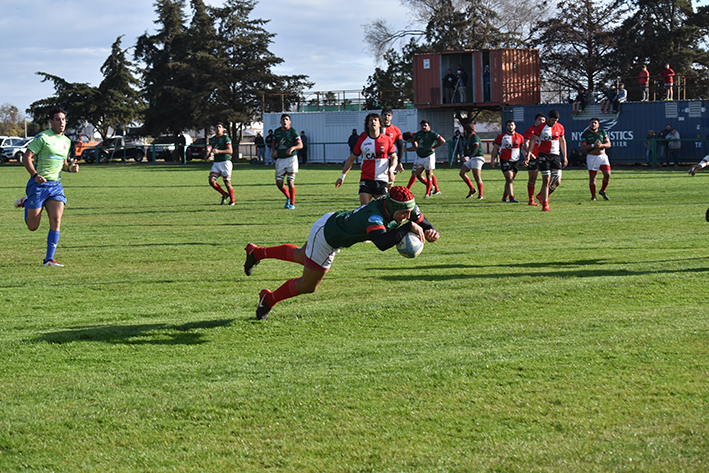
x=577 y=44
x=163 y=55
x=244 y=67
x=663 y=31
x=392 y=87
x=11 y=120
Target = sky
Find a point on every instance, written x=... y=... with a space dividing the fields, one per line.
x=71 y=39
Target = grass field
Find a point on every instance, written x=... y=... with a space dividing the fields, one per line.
x=569 y=341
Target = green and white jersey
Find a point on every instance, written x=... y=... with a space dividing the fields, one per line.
x=285 y=139
x=425 y=141
x=51 y=151
x=221 y=143
x=590 y=138
x=470 y=145
x=347 y=227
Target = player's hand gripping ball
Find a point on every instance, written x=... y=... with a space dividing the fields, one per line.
x=410 y=246
x=407 y=136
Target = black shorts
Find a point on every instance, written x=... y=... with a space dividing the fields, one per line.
x=368 y=186
x=509 y=166
x=549 y=162
x=533 y=165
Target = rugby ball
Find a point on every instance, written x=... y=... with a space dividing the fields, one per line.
x=410 y=246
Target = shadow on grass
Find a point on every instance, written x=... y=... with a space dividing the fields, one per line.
x=153 y=334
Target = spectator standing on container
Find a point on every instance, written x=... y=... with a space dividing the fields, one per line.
x=383 y=221
x=643 y=80
x=269 y=145
x=45 y=159
x=508 y=146
x=379 y=160
x=595 y=142
x=674 y=145
x=424 y=143
x=667 y=76
x=222 y=166
x=649 y=143
x=303 y=152
x=449 y=82
x=473 y=161
x=393 y=132
x=286 y=143
x=260 y=148
x=620 y=97
x=352 y=141
x=664 y=153
x=532 y=153
x=552 y=155
x=462 y=84
x=486 y=83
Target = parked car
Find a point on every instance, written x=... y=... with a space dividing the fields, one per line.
x=162 y=147
x=80 y=142
x=116 y=148
x=15 y=151
x=198 y=149
x=7 y=141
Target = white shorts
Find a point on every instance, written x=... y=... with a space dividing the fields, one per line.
x=476 y=162
x=318 y=250
x=286 y=166
x=429 y=162
x=223 y=168
x=594 y=162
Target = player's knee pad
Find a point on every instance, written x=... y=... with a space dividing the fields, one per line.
x=290 y=177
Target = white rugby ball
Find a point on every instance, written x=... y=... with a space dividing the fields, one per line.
x=410 y=246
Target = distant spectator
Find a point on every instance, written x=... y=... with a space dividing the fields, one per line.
x=663 y=154
x=649 y=144
x=260 y=148
x=674 y=145
x=449 y=82
x=576 y=158
x=667 y=76
x=620 y=97
x=352 y=141
x=303 y=152
x=644 y=79
x=486 y=83
x=458 y=147
x=608 y=96
x=269 y=144
x=580 y=101
x=462 y=84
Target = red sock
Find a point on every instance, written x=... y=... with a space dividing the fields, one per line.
x=467 y=181
x=429 y=186
x=231 y=194
x=435 y=181
x=530 y=191
x=286 y=291
x=282 y=252
x=593 y=189
x=219 y=189
x=606 y=181
x=411 y=181
x=480 y=189
x=284 y=189
x=504 y=195
x=292 y=194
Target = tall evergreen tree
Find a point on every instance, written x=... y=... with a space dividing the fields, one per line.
x=392 y=87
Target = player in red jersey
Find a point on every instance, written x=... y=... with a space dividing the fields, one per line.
x=379 y=160
x=508 y=146
x=531 y=154
x=393 y=132
x=552 y=155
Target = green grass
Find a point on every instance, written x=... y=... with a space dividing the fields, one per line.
x=572 y=341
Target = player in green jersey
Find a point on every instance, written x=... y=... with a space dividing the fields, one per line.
x=221 y=152
x=286 y=143
x=384 y=221
x=595 y=142
x=424 y=142
x=44 y=160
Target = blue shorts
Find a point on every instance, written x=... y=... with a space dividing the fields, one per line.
x=38 y=194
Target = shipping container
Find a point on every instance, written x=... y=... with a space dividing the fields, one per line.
x=489 y=78
x=629 y=128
